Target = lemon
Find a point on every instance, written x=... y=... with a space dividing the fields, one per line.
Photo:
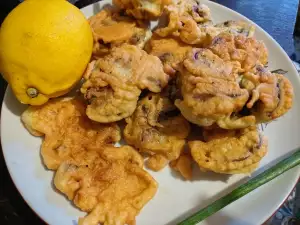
x=45 y=46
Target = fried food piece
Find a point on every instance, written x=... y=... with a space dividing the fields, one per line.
x=215 y=132
x=243 y=52
x=112 y=28
x=203 y=34
x=110 y=184
x=230 y=152
x=187 y=20
x=153 y=129
x=237 y=27
x=190 y=21
x=157 y=162
x=271 y=94
x=195 y=34
x=210 y=92
x=285 y=95
x=145 y=9
x=184 y=166
x=171 y=51
x=67 y=130
x=113 y=83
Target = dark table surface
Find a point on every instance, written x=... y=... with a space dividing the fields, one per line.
x=277 y=17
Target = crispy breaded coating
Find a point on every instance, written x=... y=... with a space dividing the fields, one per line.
x=187 y=20
x=210 y=92
x=142 y=9
x=112 y=28
x=67 y=130
x=171 y=51
x=153 y=129
x=110 y=184
x=230 y=152
x=110 y=97
x=113 y=83
x=243 y=52
x=271 y=94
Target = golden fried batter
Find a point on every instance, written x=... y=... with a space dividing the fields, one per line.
x=171 y=51
x=109 y=184
x=187 y=20
x=285 y=96
x=243 y=52
x=184 y=166
x=113 y=83
x=142 y=9
x=237 y=27
x=111 y=29
x=209 y=89
x=203 y=34
x=154 y=130
x=271 y=94
x=67 y=130
x=230 y=152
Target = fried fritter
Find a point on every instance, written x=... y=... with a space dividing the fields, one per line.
x=67 y=130
x=146 y=9
x=183 y=165
x=110 y=184
x=113 y=83
x=112 y=28
x=187 y=20
x=171 y=51
x=243 y=52
x=237 y=27
x=203 y=34
x=230 y=152
x=210 y=91
x=153 y=129
x=271 y=94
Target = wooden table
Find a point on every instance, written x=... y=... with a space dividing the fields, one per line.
x=277 y=17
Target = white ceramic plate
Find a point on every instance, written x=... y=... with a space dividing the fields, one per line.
x=176 y=198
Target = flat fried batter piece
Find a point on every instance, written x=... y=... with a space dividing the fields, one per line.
x=271 y=94
x=171 y=51
x=243 y=52
x=230 y=151
x=113 y=83
x=142 y=9
x=112 y=28
x=153 y=129
x=67 y=130
x=110 y=184
x=187 y=20
x=210 y=92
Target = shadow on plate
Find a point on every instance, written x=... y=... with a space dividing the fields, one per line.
x=98 y=6
x=273 y=163
x=209 y=200
x=41 y=156
x=199 y=175
x=208 y=175
x=17 y=108
x=226 y=220
x=61 y=194
x=11 y=102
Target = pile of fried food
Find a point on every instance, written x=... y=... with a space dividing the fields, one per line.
x=188 y=73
